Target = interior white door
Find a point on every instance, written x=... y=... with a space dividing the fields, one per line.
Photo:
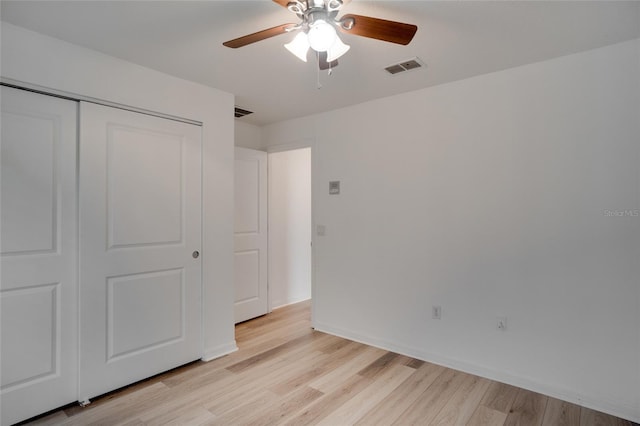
x=140 y=237
x=250 y=236
x=38 y=286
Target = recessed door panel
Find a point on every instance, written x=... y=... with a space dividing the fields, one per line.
x=140 y=222
x=145 y=204
x=247 y=205
x=247 y=269
x=38 y=287
x=30 y=351
x=30 y=147
x=145 y=311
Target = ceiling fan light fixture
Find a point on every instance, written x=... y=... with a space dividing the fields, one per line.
x=322 y=35
x=299 y=46
x=317 y=27
x=337 y=49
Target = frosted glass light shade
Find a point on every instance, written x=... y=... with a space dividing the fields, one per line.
x=322 y=35
x=337 y=49
x=299 y=46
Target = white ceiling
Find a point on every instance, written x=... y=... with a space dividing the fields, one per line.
x=456 y=39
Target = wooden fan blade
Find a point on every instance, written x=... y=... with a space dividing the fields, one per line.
x=260 y=35
x=322 y=61
x=380 y=29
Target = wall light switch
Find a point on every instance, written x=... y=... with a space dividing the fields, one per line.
x=334 y=187
x=436 y=312
x=501 y=323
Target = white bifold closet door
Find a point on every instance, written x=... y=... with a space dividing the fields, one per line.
x=140 y=237
x=38 y=286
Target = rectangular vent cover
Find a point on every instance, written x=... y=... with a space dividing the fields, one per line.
x=239 y=112
x=394 y=69
x=408 y=65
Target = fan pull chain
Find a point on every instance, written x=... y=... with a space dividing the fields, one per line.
x=318 y=84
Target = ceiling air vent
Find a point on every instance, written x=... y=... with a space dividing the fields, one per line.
x=408 y=65
x=239 y=112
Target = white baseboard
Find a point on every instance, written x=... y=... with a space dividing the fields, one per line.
x=609 y=407
x=282 y=304
x=221 y=350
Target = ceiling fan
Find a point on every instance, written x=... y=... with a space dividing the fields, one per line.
x=317 y=30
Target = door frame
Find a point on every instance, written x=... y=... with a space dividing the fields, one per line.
x=305 y=142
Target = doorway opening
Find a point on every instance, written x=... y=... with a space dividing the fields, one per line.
x=289 y=220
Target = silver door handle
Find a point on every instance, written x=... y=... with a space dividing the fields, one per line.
x=195 y=254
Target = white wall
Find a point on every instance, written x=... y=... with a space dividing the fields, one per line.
x=248 y=135
x=289 y=226
x=487 y=196
x=38 y=60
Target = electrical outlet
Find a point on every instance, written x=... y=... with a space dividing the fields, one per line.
x=436 y=312
x=501 y=323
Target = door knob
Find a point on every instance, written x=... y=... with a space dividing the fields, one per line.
x=196 y=254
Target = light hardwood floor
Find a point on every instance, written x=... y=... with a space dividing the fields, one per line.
x=286 y=373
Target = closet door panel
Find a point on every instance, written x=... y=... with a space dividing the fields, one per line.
x=140 y=224
x=38 y=290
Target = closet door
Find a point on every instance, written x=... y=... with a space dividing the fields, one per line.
x=140 y=237
x=38 y=287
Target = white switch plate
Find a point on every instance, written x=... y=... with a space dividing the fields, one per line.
x=501 y=323
x=334 y=187
x=436 y=312
x=321 y=230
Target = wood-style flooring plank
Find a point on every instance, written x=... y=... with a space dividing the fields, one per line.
x=230 y=395
x=285 y=407
x=462 y=404
x=336 y=345
x=119 y=410
x=54 y=418
x=273 y=353
x=590 y=417
x=330 y=402
x=227 y=390
x=485 y=416
x=291 y=330
x=500 y=397
x=561 y=413
x=527 y=409
x=350 y=412
x=239 y=413
x=390 y=408
x=193 y=416
x=381 y=364
x=415 y=363
x=424 y=409
x=332 y=380
x=194 y=381
x=285 y=385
